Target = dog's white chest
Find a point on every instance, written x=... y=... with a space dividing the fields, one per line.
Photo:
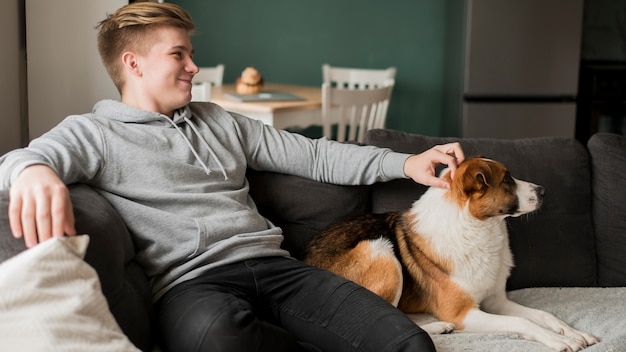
x=481 y=262
x=477 y=250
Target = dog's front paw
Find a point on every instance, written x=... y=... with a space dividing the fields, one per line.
x=590 y=339
x=568 y=343
x=562 y=328
x=582 y=338
x=586 y=339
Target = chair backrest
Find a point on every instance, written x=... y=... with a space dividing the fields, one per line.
x=356 y=78
x=354 y=110
x=213 y=75
x=201 y=91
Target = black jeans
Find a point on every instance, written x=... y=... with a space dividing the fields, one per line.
x=280 y=304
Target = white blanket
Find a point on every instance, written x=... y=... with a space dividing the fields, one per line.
x=50 y=300
x=598 y=311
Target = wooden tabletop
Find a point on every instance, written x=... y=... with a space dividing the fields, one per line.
x=312 y=98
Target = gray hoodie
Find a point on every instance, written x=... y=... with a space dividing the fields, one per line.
x=179 y=184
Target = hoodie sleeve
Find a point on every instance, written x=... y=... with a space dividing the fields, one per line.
x=321 y=159
x=73 y=149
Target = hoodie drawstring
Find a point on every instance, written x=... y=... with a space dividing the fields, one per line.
x=206 y=144
x=195 y=153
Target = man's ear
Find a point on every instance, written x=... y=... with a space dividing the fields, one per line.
x=131 y=63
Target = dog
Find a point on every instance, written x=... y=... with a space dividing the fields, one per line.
x=448 y=255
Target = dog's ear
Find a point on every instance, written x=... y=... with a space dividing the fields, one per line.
x=482 y=178
x=476 y=178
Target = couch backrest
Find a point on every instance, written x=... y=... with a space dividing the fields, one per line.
x=553 y=246
x=302 y=207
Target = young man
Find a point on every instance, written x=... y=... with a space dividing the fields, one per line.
x=176 y=173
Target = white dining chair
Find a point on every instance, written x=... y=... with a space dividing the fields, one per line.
x=201 y=91
x=204 y=80
x=354 y=111
x=213 y=75
x=352 y=78
x=356 y=78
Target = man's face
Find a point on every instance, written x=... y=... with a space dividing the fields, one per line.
x=166 y=71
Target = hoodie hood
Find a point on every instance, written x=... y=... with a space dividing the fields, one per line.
x=118 y=111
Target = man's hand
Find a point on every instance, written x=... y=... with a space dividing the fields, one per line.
x=40 y=206
x=421 y=167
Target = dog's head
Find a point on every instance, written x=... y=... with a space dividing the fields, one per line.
x=490 y=191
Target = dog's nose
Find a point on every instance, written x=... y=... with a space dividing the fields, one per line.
x=540 y=190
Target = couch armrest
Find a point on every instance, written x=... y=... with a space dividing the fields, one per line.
x=608 y=160
x=110 y=253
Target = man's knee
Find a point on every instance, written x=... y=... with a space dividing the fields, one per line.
x=224 y=330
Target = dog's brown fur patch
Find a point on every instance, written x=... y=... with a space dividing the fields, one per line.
x=428 y=287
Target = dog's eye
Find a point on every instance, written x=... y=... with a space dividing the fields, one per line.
x=508 y=179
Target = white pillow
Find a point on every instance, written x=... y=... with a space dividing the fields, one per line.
x=50 y=300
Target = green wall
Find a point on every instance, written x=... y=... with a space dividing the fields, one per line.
x=289 y=40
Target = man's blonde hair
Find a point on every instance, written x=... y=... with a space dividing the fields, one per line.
x=130 y=29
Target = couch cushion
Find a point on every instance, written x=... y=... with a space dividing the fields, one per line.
x=553 y=246
x=608 y=160
x=303 y=207
x=51 y=299
x=110 y=252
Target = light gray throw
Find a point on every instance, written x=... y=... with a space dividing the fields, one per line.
x=598 y=311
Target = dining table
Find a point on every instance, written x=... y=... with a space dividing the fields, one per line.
x=302 y=112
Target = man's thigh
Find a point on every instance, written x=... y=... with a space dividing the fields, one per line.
x=332 y=313
x=200 y=315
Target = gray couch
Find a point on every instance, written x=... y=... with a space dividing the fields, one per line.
x=570 y=256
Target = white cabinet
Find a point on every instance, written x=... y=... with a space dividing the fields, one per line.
x=12 y=76
x=64 y=71
x=521 y=68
